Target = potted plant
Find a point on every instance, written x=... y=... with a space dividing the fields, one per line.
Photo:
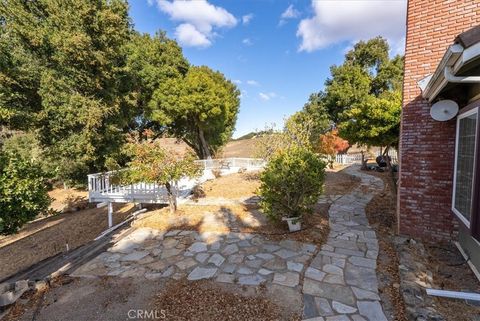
x=291 y=184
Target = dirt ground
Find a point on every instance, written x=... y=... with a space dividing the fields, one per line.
x=246 y=217
x=113 y=299
x=239 y=148
x=450 y=271
x=47 y=237
x=381 y=213
x=205 y=301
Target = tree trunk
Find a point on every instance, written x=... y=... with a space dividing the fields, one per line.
x=364 y=162
x=172 y=198
x=203 y=145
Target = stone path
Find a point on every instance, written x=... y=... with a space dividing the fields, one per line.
x=240 y=258
x=341 y=282
x=338 y=284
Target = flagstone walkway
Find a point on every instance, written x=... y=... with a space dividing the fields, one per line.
x=338 y=282
x=341 y=282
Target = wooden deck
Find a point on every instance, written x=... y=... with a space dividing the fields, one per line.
x=102 y=189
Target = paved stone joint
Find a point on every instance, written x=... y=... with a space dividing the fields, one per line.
x=242 y=258
x=341 y=282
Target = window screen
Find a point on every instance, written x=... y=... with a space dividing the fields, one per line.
x=465 y=157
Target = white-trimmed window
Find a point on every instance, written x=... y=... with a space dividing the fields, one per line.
x=465 y=157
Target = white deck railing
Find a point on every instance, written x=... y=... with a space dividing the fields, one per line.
x=102 y=188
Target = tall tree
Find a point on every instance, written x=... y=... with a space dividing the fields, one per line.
x=363 y=94
x=151 y=61
x=64 y=74
x=200 y=108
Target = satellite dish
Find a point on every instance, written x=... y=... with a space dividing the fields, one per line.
x=444 y=110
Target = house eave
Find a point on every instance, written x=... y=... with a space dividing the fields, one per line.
x=446 y=72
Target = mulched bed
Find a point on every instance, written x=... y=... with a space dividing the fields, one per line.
x=450 y=271
x=381 y=213
x=206 y=301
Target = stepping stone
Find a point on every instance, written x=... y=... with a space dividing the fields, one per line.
x=335 y=292
x=251 y=280
x=225 y=278
x=228 y=268
x=202 y=273
x=134 y=256
x=365 y=295
x=168 y=272
x=292 y=266
x=364 y=278
x=289 y=279
x=186 y=263
x=360 y=261
x=315 y=274
x=244 y=270
x=216 y=259
x=309 y=307
x=170 y=252
x=172 y=232
x=332 y=269
x=323 y=307
x=236 y=258
x=254 y=263
x=334 y=279
x=265 y=256
x=197 y=247
x=285 y=254
x=202 y=257
x=342 y=308
x=264 y=272
x=275 y=264
x=357 y=317
x=271 y=247
x=371 y=310
x=338 y=318
x=291 y=245
x=230 y=249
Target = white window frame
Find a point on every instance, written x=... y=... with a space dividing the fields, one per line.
x=454 y=210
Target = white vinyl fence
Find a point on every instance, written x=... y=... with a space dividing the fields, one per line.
x=346 y=159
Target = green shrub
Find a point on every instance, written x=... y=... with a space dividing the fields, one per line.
x=291 y=183
x=23 y=194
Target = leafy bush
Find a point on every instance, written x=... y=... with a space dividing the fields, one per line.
x=23 y=194
x=291 y=183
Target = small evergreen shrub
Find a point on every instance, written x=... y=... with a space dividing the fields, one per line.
x=291 y=183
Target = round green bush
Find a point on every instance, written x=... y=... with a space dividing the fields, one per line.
x=291 y=183
x=23 y=193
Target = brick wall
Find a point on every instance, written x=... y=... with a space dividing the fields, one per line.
x=426 y=146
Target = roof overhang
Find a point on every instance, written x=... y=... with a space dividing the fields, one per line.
x=449 y=69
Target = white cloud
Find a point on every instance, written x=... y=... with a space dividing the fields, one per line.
x=199 y=18
x=353 y=20
x=237 y=81
x=253 y=83
x=188 y=35
x=247 y=42
x=290 y=13
x=267 y=96
x=247 y=18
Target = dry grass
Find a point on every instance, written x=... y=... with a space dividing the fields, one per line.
x=249 y=218
x=232 y=186
x=68 y=198
x=206 y=301
x=47 y=237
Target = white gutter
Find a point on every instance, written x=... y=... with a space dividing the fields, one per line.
x=453 y=60
x=454 y=294
x=450 y=77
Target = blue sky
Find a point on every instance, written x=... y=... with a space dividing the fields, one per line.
x=278 y=52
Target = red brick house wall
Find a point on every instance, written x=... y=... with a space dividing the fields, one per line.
x=427 y=147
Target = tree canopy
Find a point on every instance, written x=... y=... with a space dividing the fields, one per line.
x=200 y=108
x=63 y=74
x=363 y=97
